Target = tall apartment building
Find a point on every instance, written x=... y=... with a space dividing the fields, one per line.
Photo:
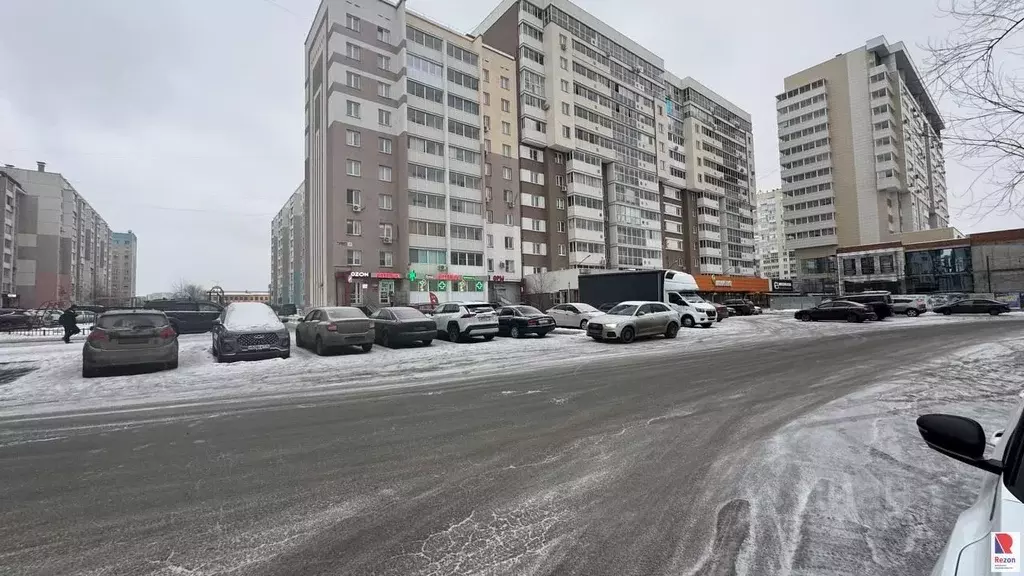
x=641 y=169
x=399 y=204
x=774 y=259
x=63 y=244
x=124 y=250
x=860 y=155
x=13 y=199
x=286 y=249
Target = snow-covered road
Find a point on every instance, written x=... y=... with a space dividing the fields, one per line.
x=56 y=384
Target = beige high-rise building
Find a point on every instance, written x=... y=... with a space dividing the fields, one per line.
x=123 y=264
x=860 y=155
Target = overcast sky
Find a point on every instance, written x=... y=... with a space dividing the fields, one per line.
x=182 y=119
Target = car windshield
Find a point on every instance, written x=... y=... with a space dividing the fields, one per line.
x=528 y=310
x=478 y=308
x=585 y=308
x=130 y=321
x=623 y=309
x=344 y=313
x=407 y=314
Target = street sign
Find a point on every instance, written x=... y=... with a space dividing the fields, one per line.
x=442 y=285
x=412 y=275
x=479 y=286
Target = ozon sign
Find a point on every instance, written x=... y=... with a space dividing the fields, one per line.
x=352 y=275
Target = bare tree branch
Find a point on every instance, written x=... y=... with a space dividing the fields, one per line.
x=185 y=289
x=978 y=67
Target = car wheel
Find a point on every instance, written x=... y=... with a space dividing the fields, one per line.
x=672 y=330
x=853 y=318
x=688 y=321
x=453 y=332
x=911 y=312
x=367 y=347
x=706 y=325
x=385 y=339
x=995 y=311
x=805 y=317
x=489 y=337
x=627 y=335
x=514 y=332
x=427 y=342
x=298 y=339
x=947 y=312
x=88 y=372
x=319 y=346
x=286 y=355
x=542 y=334
x=172 y=365
x=583 y=324
x=719 y=319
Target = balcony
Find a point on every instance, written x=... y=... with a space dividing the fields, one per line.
x=532 y=136
x=584 y=212
x=706 y=219
x=708 y=203
x=888 y=183
x=584 y=189
x=586 y=259
x=573 y=165
x=583 y=235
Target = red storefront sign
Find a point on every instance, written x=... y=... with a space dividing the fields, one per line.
x=386 y=275
x=497 y=278
x=446 y=276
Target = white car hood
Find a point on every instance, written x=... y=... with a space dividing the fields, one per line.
x=699 y=306
x=611 y=319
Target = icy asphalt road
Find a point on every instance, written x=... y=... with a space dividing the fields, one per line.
x=692 y=459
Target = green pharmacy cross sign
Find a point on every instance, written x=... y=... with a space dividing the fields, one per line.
x=479 y=286
x=412 y=275
x=442 y=285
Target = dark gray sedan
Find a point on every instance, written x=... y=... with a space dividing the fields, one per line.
x=130 y=338
x=402 y=325
x=326 y=329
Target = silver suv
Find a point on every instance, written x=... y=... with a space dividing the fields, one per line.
x=909 y=305
x=461 y=320
x=628 y=320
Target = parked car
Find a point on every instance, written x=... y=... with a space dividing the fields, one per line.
x=461 y=320
x=130 y=338
x=188 y=316
x=722 y=311
x=249 y=331
x=981 y=531
x=573 y=314
x=333 y=327
x=973 y=306
x=757 y=310
x=909 y=306
x=837 y=310
x=742 y=307
x=880 y=302
x=607 y=306
x=518 y=321
x=11 y=320
x=402 y=325
x=630 y=320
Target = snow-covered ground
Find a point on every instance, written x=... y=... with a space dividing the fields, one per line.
x=57 y=385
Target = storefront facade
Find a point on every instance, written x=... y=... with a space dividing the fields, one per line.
x=386 y=288
x=721 y=287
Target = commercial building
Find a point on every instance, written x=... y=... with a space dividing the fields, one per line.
x=13 y=198
x=63 y=245
x=400 y=205
x=123 y=267
x=287 y=247
x=860 y=155
x=774 y=259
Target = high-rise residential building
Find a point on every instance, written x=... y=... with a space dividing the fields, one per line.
x=640 y=169
x=124 y=250
x=13 y=199
x=63 y=244
x=706 y=166
x=860 y=155
x=396 y=157
x=286 y=249
x=773 y=258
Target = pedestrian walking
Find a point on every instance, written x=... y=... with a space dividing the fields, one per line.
x=69 y=320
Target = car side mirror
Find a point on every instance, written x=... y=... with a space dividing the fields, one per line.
x=959 y=438
x=641 y=314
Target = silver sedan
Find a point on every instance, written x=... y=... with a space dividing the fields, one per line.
x=326 y=329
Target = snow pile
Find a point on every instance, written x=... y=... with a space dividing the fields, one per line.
x=247 y=316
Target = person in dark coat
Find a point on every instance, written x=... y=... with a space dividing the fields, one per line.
x=69 y=320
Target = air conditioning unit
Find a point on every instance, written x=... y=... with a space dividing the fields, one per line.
x=442 y=268
x=545 y=106
x=487 y=129
x=564 y=187
x=593 y=41
x=511 y=204
x=357 y=208
x=388 y=240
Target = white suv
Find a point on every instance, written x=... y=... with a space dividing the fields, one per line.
x=460 y=320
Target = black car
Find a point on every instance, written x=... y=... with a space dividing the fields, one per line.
x=607 y=306
x=517 y=321
x=880 y=302
x=17 y=319
x=188 y=316
x=742 y=307
x=973 y=306
x=837 y=310
x=402 y=325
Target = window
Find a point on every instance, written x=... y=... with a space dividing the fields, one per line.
x=385 y=202
x=462 y=104
x=384 y=145
x=462 y=54
x=353 y=23
x=506 y=150
x=510 y=243
x=466 y=232
x=506 y=128
x=487 y=75
x=424 y=91
x=506 y=106
x=490 y=264
x=566 y=132
x=426 y=146
x=505 y=83
x=353 y=80
x=383 y=89
x=424 y=228
x=421 y=256
x=509 y=220
x=387 y=259
x=383 y=34
x=353 y=138
x=561 y=226
x=352 y=109
x=465 y=206
x=423 y=38
x=384 y=173
x=426 y=173
x=559 y=180
x=424 y=200
x=490 y=217
x=467 y=259
x=354 y=258
x=354 y=227
x=561 y=249
x=353 y=168
x=487 y=121
x=487 y=99
x=490 y=240
x=564 y=63
x=423 y=65
x=885 y=263
x=464 y=180
x=354 y=197
x=425 y=118
x=383 y=62
x=565 y=86
x=867 y=265
x=487 y=169
x=386 y=230
x=460 y=129
x=565 y=108
x=463 y=79
x=506 y=172
x=384 y=117
x=560 y=203
x=353 y=51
